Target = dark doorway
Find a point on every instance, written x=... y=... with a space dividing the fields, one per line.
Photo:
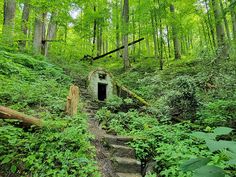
x=102 y=91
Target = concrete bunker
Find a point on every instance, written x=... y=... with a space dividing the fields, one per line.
x=100 y=84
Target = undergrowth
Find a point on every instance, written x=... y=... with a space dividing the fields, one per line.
x=60 y=148
x=187 y=96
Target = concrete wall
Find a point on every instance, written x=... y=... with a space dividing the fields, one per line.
x=94 y=79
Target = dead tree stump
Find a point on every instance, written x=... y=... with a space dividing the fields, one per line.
x=72 y=101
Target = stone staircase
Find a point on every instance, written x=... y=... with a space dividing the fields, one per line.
x=115 y=158
x=123 y=157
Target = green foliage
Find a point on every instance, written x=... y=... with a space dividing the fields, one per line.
x=193 y=164
x=209 y=171
x=114 y=102
x=182 y=102
x=62 y=147
x=219 y=112
x=199 y=165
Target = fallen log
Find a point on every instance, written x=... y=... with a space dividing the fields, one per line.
x=115 y=50
x=108 y=53
x=7 y=113
x=133 y=95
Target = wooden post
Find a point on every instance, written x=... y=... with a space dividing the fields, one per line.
x=72 y=101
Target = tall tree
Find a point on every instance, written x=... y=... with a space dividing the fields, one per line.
x=8 y=22
x=38 y=34
x=51 y=32
x=24 y=24
x=233 y=19
x=125 y=34
x=177 y=47
x=222 y=49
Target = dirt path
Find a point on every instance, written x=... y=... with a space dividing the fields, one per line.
x=102 y=154
x=114 y=157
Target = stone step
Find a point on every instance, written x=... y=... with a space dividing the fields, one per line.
x=122 y=151
x=126 y=165
x=116 y=140
x=128 y=175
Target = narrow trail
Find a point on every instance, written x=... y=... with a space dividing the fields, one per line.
x=114 y=157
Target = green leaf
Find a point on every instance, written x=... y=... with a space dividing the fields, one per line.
x=209 y=171
x=231 y=162
x=220 y=145
x=193 y=164
x=204 y=136
x=222 y=130
x=6 y=160
x=13 y=168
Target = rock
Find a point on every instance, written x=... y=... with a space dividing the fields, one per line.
x=117 y=140
x=150 y=167
x=128 y=175
x=126 y=165
x=122 y=151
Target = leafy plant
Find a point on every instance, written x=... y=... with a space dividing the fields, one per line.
x=199 y=165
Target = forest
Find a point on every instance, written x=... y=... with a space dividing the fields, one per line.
x=118 y=88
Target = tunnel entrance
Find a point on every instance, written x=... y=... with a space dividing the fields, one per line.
x=102 y=91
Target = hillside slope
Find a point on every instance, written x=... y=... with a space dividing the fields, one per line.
x=62 y=146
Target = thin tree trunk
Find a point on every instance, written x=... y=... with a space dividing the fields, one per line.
x=8 y=22
x=221 y=41
x=148 y=45
x=168 y=41
x=52 y=32
x=208 y=31
x=125 y=34
x=210 y=24
x=177 y=47
x=233 y=19
x=38 y=34
x=24 y=24
x=94 y=32
x=133 y=47
x=139 y=32
x=225 y=20
x=161 y=46
x=117 y=29
x=43 y=45
x=154 y=36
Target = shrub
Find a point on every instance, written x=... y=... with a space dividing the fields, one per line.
x=182 y=101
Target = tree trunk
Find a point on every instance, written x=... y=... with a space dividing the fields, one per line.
x=7 y=113
x=177 y=47
x=117 y=29
x=210 y=24
x=220 y=34
x=133 y=34
x=94 y=32
x=168 y=41
x=43 y=41
x=161 y=45
x=148 y=46
x=125 y=34
x=154 y=32
x=233 y=19
x=52 y=32
x=24 y=24
x=99 y=39
x=38 y=34
x=8 y=22
x=225 y=20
